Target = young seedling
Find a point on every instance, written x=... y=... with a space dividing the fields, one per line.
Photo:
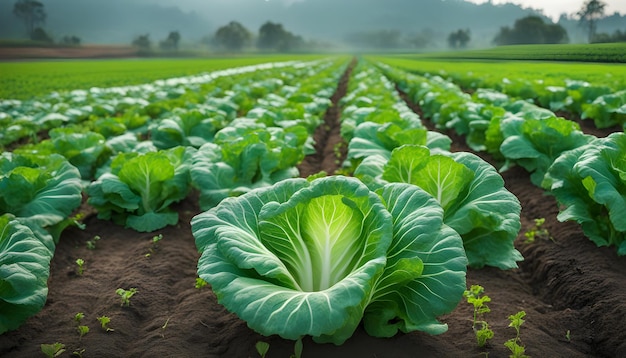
x=104 y=323
x=78 y=353
x=200 y=283
x=81 y=266
x=53 y=350
x=476 y=297
x=514 y=344
x=537 y=231
x=125 y=295
x=155 y=246
x=297 y=349
x=262 y=348
x=91 y=244
x=164 y=326
x=82 y=330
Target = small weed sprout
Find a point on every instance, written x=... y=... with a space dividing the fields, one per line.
x=297 y=349
x=155 y=246
x=78 y=353
x=104 y=323
x=125 y=295
x=262 y=348
x=476 y=297
x=81 y=266
x=514 y=344
x=200 y=283
x=91 y=244
x=537 y=232
x=568 y=335
x=52 y=350
x=82 y=330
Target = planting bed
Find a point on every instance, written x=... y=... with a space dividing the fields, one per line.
x=573 y=293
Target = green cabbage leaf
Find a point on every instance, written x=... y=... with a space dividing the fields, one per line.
x=318 y=257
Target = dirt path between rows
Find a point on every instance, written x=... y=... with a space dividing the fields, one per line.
x=564 y=285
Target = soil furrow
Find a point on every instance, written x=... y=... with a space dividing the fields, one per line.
x=330 y=148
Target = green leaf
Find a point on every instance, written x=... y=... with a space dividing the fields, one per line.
x=24 y=270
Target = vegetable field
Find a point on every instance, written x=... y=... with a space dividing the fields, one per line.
x=371 y=206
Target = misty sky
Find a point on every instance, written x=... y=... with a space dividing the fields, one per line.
x=554 y=8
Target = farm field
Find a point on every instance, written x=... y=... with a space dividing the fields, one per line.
x=322 y=112
x=25 y=79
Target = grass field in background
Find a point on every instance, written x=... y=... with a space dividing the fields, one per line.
x=612 y=75
x=26 y=79
x=609 y=52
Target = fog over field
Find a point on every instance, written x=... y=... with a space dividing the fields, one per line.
x=334 y=21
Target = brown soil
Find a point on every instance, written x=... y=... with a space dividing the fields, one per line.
x=88 y=51
x=565 y=285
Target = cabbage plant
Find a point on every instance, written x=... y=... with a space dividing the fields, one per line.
x=590 y=185
x=140 y=188
x=318 y=257
x=24 y=270
x=476 y=204
x=41 y=191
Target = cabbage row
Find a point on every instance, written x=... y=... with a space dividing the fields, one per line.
x=319 y=256
x=604 y=103
x=41 y=185
x=584 y=173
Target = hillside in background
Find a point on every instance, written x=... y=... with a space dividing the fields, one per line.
x=119 y=21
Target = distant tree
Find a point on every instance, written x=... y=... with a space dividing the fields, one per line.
x=41 y=35
x=591 y=11
x=142 y=42
x=233 y=36
x=71 y=40
x=32 y=13
x=459 y=38
x=171 y=42
x=272 y=36
x=531 y=30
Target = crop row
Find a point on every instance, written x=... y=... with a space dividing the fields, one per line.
x=583 y=172
x=294 y=256
x=602 y=100
x=137 y=179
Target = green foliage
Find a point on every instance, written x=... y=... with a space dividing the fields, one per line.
x=531 y=30
x=536 y=143
x=125 y=295
x=476 y=297
x=537 y=231
x=52 y=350
x=515 y=344
x=41 y=191
x=476 y=204
x=262 y=348
x=330 y=253
x=27 y=79
x=104 y=323
x=244 y=156
x=81 y=266
x=233 y=37
x=24 y=270
x=140 y=188
x=589 y=183
x=200 y=283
